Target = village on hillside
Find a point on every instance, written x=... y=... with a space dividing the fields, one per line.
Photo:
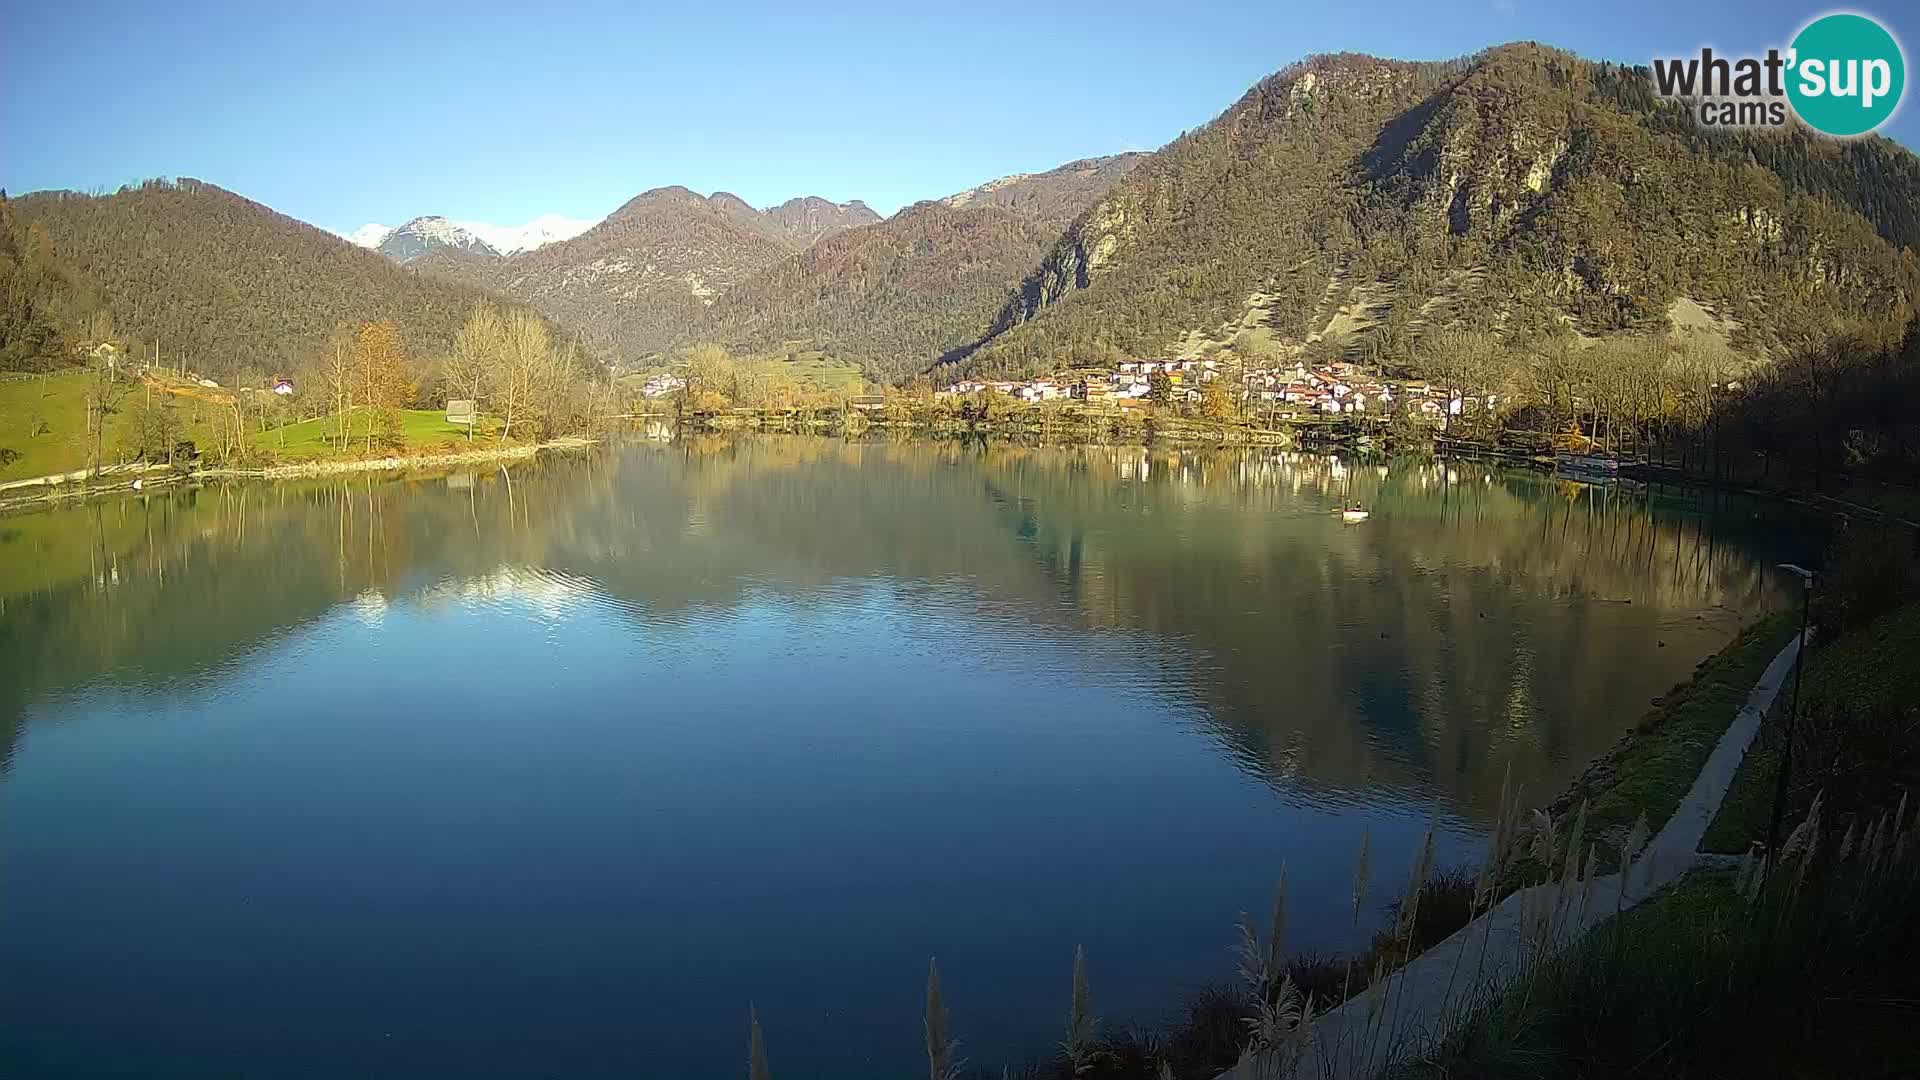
x=1296 y=391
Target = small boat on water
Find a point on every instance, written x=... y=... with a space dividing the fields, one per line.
x=1351 y=512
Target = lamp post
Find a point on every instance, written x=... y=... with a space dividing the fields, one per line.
x=1793 y=714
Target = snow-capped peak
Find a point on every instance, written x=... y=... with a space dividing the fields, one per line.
x=541 y=231
x=422 y=234
x=426 y=234
x=368 y=236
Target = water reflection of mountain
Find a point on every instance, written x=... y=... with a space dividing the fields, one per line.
x=1479 y=618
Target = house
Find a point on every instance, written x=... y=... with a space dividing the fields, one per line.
x=963 y=388
x=1040 y=390
x=1089 y=390
x=662 y=385
x=282 y=385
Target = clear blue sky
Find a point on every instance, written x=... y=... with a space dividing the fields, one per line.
x=341 y=113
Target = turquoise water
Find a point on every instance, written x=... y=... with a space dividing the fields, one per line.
x=550 y=771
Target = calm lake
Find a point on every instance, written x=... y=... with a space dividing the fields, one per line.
x=551 y=770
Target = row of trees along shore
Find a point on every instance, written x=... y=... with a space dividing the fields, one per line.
x=505 y=360
x=531 y=385
x=1829 y=406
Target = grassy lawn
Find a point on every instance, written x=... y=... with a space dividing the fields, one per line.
x=1871 y=666
x=424 y=429
x=1653 y=768
x=44 y=420
x=813 y=368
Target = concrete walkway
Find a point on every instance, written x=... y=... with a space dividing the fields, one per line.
x=1412 y=1010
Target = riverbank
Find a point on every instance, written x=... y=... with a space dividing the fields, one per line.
x=1680 y=757
x=511 y=452
x=1819 y=955
x=113 y=479
x=1650 y=769
x=1404 y=1017
x=1050 y=424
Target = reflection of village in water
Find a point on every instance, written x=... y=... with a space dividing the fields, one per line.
x=1482 y=617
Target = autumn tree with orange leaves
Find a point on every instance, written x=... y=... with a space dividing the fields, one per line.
x=380 y=376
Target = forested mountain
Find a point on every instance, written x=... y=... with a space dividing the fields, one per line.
x=1513 y=192
x=1346 y=203
x=899 y=295
x=224 y=284
x=892 y=297
x=41 y=296
x=799 y=223
x=1052 y=198
x=635 y=282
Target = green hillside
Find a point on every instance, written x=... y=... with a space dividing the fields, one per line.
x=1517 y=192
x=225 y=285
x=893 y=297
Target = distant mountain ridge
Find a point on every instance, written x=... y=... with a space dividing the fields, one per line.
x=796 y=222
x=422 y=235
x=799 y=222
x=1054 y=197
x=893 y=297
x=898 y=296
x=894 y=294
x=1346 y=203
x=633 y=282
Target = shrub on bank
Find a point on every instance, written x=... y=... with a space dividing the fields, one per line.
x=1869 y=571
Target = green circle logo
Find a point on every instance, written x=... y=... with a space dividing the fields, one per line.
x=1847 y=74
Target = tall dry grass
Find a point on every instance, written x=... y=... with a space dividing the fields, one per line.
x=1802 y=962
